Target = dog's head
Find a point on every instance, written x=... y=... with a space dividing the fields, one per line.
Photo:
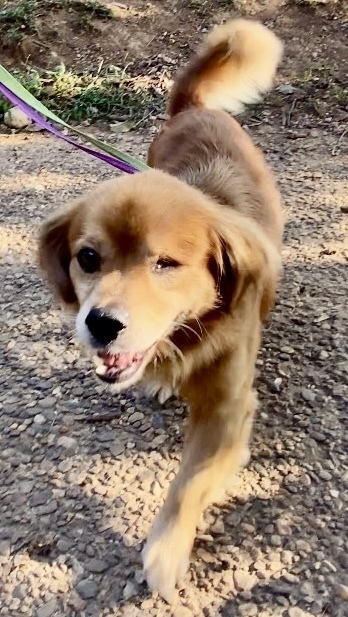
x=140 y=256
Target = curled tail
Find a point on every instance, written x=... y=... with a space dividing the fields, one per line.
x=234 y=66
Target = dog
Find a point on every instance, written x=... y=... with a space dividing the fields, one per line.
x=172 y=272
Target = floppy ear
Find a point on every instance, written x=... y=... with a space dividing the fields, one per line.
x=55 y=256
x=245 y=260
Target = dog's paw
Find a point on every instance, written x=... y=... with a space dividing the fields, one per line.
x=166 y=559
x=162 y=393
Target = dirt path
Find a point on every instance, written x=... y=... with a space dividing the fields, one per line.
x=77 y=499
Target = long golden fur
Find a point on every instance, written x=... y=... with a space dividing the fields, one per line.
x=172 y=271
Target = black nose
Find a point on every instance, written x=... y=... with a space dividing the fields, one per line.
x=103 y=328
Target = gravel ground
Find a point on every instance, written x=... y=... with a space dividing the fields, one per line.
x=79 y=491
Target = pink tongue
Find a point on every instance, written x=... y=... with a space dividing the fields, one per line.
x=121 y=361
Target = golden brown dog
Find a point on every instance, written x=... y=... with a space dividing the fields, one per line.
x=172 y=272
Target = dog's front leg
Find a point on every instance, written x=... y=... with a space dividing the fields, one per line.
x=220 y=424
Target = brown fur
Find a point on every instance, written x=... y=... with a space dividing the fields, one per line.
x=210 y=204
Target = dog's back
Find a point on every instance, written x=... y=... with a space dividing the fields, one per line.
x=203 y=145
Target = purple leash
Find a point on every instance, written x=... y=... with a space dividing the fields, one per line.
x=38 y=119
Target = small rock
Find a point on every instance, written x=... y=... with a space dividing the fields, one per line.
x=129 y=591
x=275 y=566
x=48 y=508
x=76 y=602
x=304 y=546
x=20 y=592
x=5 y=548
x=276 y=540
x=87 y=589
x=182 y=611
x=295 y=611
x=260 y=566
x=67 y=442
x=40 y=498
x=342 y=591
x=218 y=527
x=116 y=449
x=205 y=556
x=243 y=580
x=334 y=493
x=96 y=565
x=137 y=416
x=287 y=349
x=15 y=118
x=283 y=528
x=46 y=610
x=139 y=577
x=65 y=465
x=39 y=419
x=308 y=395
x=48 y=402
x=248 y=610
x=286 y=89
x=64 y=545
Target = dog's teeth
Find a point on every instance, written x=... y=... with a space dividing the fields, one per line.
x=101 y=370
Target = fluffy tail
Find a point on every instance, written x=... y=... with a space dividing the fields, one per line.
x=235 y=65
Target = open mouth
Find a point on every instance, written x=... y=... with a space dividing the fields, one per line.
x=119 y=367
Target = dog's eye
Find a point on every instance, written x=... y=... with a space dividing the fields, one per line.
x=89 y=260
x=164 y=263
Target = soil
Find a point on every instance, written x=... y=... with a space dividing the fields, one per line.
x=155 y=37
x=83 y=473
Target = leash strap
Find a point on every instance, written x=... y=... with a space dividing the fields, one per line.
x=35 y=110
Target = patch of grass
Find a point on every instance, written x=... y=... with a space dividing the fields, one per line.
x=204 y=6
x=73 y=97
x=321 y=82
x=19 y=18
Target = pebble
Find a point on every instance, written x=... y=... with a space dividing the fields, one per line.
x=5 y=548
x=46 y=610
x=218 y=527
x=76 y=602
x=285 y=89
x=243 y=580
x=129 y=590
x=48 y=508
x=67 y=442
x=276 y=540
x=205 y=556
x=39 y=418
x=283 y=528
x=15 y=118
x=48 y=402
x=308 y=395
x=116 y=449
x=40 y=498
x=137 y=416
x=342 y=591
x=295 y=611
x=66 y=465
x=96 y=565
x=87 y=589
x=182 y=611
x=248 y=610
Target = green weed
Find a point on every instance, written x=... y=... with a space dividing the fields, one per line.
x=74 y=97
